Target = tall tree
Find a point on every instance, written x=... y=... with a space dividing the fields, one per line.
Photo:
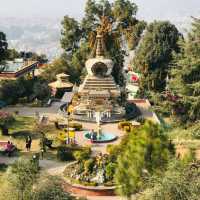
x=154 y=55
x=146 y=151
x=124 y=12
x=3 y=51
x=76 y=35
x=19 y=180
x=3 y=46
x=70 y=34
x=185 y=77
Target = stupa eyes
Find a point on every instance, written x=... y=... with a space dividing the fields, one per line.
x=99 y=69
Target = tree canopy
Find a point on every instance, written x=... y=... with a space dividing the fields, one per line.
x=3 y=46
x=185 y=77
x=3 y=51
x=180 y=181
x=154 y=55
x=144 y=152
x=77 y=39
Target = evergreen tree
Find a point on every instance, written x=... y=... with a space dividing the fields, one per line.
x=154 y=55
x=70 y=34
x=180 y=181
x=19 y=180
x=185 y=77
x=3 y=51
x=146 y=151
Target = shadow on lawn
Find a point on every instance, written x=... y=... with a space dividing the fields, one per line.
x=3 y=167
x=23 y=134
x=22 y=123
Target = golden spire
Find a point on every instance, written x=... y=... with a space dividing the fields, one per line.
x=97 y=40
x=99 y=46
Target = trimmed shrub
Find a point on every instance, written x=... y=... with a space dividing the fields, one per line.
x=82 y=155
x=65 y=154
x=132 y=111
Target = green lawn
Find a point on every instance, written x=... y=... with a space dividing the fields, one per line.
x=22 y=124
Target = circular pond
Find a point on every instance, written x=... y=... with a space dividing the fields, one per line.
x=102 y=138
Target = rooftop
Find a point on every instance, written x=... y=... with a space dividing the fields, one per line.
x=19 y=67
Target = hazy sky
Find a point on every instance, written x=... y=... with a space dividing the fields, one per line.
x=148 y=9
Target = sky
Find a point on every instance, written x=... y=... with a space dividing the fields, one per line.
x=148 y=9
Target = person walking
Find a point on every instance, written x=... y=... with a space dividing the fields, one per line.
x=28 y=143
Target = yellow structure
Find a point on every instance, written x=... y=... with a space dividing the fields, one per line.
x=63 y=136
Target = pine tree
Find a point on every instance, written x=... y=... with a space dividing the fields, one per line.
x=185 y=80
x=145 y=151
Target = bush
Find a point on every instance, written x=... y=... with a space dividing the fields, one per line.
x=50 y=187
x=195 y=130
x=132 y=111
x=123 y=124
x=113 y=151
x=23 y=100
x=127 y=128
x=69 y=153
x=36 y=103
x=6 y=118
x=88 y=165
x=83 y=154
x=110 y=170
x=65 y=154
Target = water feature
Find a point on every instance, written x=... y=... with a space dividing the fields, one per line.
x=104 y=137
x=99 y=136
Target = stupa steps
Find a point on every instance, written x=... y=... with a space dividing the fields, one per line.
x=102 y=88
x=96 y=84
x=102 y=82
x=100 y=79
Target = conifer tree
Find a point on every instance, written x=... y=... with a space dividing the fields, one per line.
x=185 y=77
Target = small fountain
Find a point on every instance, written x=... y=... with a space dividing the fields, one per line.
x=99 y=136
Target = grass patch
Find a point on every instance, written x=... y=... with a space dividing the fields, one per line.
x=22 y=124
x=180 y=134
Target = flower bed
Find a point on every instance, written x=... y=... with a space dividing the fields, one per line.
x=74 y=183
x=98 y=171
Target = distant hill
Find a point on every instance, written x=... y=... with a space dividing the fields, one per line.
x=41 y=33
